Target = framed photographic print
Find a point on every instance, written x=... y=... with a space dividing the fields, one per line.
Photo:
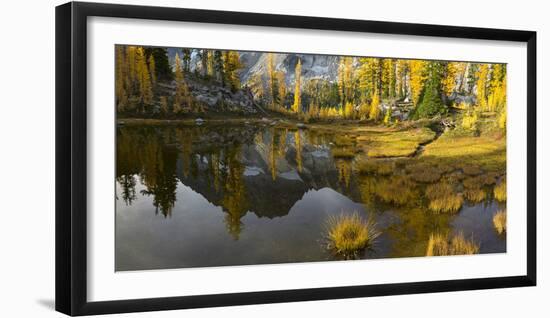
x=209 y=158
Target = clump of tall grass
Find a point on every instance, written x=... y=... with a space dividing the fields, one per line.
x=437 y=245
x=481 y=180
x=349 y=234
x=499 y=221
x=500 y=191
x=440 y=245
x=443 y=199
x=475 y=195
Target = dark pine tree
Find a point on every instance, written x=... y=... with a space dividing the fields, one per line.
x=430 y=103
x=162 y=65
x=186 y=59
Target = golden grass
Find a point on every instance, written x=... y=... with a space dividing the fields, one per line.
x=349 y=234
x=343 y=140
x=440 y=245
x=462 y=246
x=342 y=152
x=472 y=170
x=455 y=177
x=475 y=195
x=500 y=191
x=486 y=152
x=381 y=167
x=481 y=180
x=437 y=245
x=395 y=143
x=499 y=221
x=442 y=198
x=424 y=172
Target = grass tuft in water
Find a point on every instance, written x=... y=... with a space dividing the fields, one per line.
x=440 y=245
x=499 y=221
x=349 y=234
x=443 y=199
x=475 y=195
x=500 y=191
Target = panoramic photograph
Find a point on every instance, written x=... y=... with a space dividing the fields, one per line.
x=228 y=157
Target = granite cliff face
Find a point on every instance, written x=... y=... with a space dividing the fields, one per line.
x=217 y=98
x=313 y=66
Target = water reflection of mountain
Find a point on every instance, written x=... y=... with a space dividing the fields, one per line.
x=247 y=168
x=260 y=178
x=271 y=194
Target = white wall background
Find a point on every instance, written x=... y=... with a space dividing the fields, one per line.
x=27 y=158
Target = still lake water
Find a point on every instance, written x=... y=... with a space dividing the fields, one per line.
x=220 y=194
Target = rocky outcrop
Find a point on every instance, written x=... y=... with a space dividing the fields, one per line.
x=221 y=98
x=215 y=97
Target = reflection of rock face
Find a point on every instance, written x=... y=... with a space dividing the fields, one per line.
x=271 y=193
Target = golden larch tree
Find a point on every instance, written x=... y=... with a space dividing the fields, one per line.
x=281 y=86
x=481 y=86
x=231 y=67
x=144 y=79
x=418 y=78
x=296 y=107
x=273 y=90
x=449 y=78
x=121 y=74
x=374 y=112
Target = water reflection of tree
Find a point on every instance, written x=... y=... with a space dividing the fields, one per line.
x=234 y=198
x=298 y=146
x=344 y=167
x=217 y=162
x=215 y=169
x=184 y=140
x=159 y=172
x=277 y=148
x=143 y=152
x=405 y=198
x=125 y=167
x=128 y=185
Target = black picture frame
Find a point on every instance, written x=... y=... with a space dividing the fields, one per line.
x=71 y=157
